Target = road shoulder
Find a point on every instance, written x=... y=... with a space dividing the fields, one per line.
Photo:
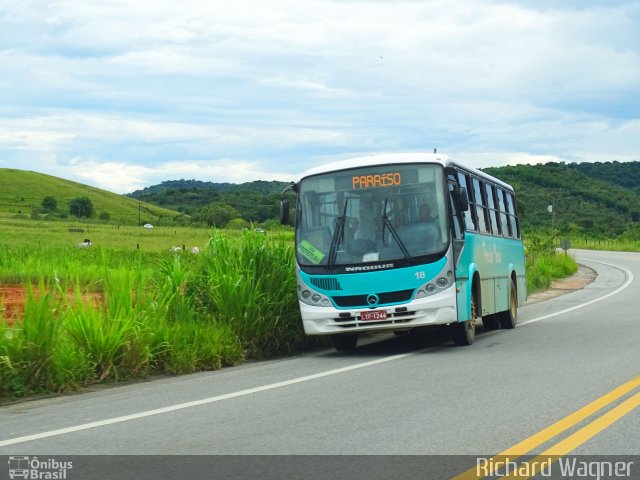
x=583 y=277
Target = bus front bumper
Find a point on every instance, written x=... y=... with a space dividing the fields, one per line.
x=438 y=309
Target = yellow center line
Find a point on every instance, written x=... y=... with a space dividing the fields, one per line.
x=573 y=441
x=551 y=431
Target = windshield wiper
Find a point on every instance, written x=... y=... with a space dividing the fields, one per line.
x=337 y=235
x=386 y=223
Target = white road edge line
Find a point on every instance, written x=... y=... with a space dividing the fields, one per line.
x=204 y=401
x=249 y=391
x=629 y=276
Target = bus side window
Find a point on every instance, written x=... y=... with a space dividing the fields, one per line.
x=468 y=215
x=479 y=206
x=513 y=219
x=506 y=227
x=457 y=232
x=493 y=214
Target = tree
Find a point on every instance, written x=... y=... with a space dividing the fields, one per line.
x=49 y=204
x=216 y=214
x=81 y=207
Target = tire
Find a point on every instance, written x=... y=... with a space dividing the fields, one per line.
x=464 y=333
x=344 y=342
x=509 y=318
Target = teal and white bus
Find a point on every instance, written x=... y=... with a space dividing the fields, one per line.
x=399 y=241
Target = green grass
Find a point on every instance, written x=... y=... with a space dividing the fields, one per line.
x=100 y=314
x=544 y=264
x=41 y=234
x=62 y=345
x=251 y=282
x=617 y=245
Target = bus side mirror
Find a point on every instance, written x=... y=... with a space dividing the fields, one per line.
x=284 y=204
x=284 y=211
x=464 y=199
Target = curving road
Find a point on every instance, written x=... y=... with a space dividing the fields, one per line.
x=566 y=380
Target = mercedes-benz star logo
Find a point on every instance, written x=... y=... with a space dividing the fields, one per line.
x=372 y=299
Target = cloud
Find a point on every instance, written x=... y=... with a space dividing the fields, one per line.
x=125 y=178
x=228 y=91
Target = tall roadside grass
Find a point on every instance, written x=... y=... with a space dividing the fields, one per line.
x=545 y=264
x=250 y=285
x=102 y=316
x=135 y=325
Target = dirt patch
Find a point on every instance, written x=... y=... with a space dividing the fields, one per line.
x=13 y=298
x=12 y=302
x=583 y=277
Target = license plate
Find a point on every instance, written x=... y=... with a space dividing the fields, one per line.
x=375 y=315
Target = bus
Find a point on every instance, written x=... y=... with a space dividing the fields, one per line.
x=395 y=242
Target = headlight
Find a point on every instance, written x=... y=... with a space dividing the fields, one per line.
x=311 y=297
x=444 y=281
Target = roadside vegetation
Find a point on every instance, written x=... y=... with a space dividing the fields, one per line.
x=545 y=263
x=99 y=315
x=110 y=314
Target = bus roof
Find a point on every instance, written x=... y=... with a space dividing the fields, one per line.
x=394 y=158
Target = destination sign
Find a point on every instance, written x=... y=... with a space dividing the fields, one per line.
x=390 y=179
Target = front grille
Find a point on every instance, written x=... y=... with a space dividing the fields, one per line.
x=361 y=300
x=325 y=283
x=393 y=318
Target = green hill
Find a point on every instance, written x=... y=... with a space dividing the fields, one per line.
x=22 y=193
x=625 y=174
x=586 y=201
x=255 y=201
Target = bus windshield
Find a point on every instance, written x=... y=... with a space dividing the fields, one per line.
x=371 y=214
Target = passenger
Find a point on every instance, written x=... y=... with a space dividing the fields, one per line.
x=367 y=227
x=425 y=213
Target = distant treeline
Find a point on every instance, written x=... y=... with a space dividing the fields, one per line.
x=590 y=199
x=216 y=203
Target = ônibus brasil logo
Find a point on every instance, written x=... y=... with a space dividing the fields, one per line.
x=36 y=469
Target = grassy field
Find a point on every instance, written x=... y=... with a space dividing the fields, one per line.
x=617 y=245
x=38 y=234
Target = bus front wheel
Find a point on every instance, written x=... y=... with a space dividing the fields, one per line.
x=344 y=342
x=464 y=333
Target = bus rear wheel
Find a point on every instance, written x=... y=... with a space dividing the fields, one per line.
x=464 y=333
x=509 y=318
x=344 y=342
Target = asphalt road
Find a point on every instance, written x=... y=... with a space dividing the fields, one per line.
x=416 y=395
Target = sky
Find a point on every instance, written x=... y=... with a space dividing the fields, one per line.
x=124 y=94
